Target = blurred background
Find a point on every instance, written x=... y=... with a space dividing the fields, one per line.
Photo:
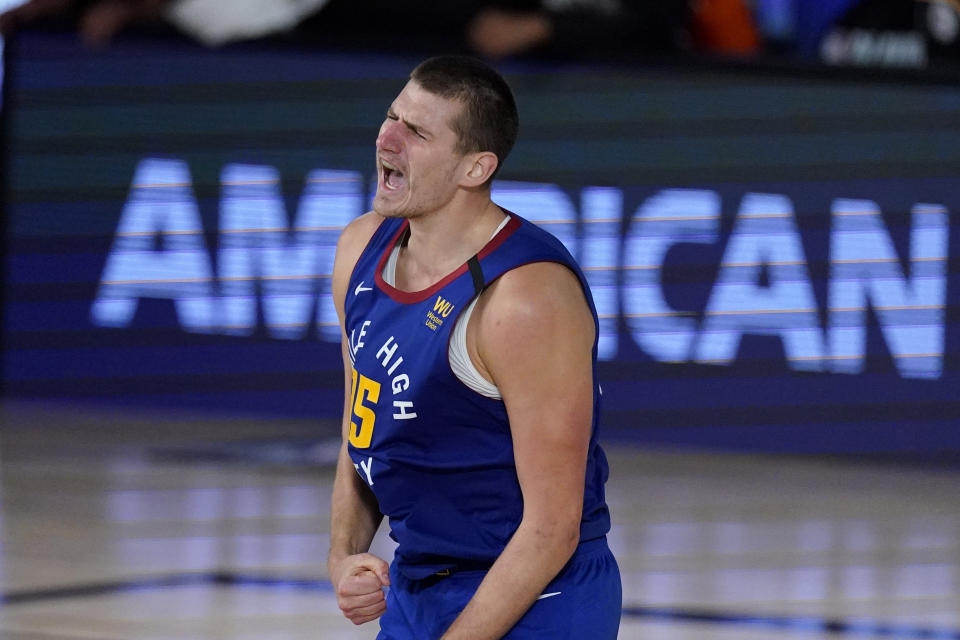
x=760 y=192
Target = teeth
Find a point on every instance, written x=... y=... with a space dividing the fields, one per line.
x=390 y=173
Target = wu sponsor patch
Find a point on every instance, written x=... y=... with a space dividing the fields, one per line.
x=441 y=310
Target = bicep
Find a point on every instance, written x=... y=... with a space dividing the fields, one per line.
x=347 y=387
x=537 y=338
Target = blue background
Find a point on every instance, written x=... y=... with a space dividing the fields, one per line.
x=79 y=123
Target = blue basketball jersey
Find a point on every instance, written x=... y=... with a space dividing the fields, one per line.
x=437 y=455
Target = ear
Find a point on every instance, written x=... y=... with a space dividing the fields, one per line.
x=479 y=168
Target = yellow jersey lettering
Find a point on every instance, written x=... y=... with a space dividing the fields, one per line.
x=364 y=389
x=441 y=309
x=442 y=306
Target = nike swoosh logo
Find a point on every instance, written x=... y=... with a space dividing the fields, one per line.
x=360 y=288
x=549 y=595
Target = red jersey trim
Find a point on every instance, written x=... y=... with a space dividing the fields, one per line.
x=411 y=297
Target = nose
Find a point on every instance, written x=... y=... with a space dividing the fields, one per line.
x=388 y=138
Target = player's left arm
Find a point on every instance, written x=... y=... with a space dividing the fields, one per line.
x=534 y=339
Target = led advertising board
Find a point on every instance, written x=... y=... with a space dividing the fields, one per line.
x=772 y=256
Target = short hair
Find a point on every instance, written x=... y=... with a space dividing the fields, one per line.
x=489 y=120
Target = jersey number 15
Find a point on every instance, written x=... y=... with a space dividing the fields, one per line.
x=364 y=389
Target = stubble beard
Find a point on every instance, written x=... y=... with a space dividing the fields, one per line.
x=402 y=211
x=410 y=209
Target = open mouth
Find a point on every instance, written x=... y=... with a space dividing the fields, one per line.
x=393 y=178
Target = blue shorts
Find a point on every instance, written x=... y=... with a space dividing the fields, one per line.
x=583 y=601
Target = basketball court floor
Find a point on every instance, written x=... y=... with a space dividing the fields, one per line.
x=120 y=526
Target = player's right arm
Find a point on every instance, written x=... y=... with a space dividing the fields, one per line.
x=357 y=576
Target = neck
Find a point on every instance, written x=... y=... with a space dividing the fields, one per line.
x=442 y=241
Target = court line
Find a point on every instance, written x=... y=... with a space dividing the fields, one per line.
x=795 y=624
x=799 y=624
x=213 y=579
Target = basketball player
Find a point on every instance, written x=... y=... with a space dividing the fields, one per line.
x=469 y=354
